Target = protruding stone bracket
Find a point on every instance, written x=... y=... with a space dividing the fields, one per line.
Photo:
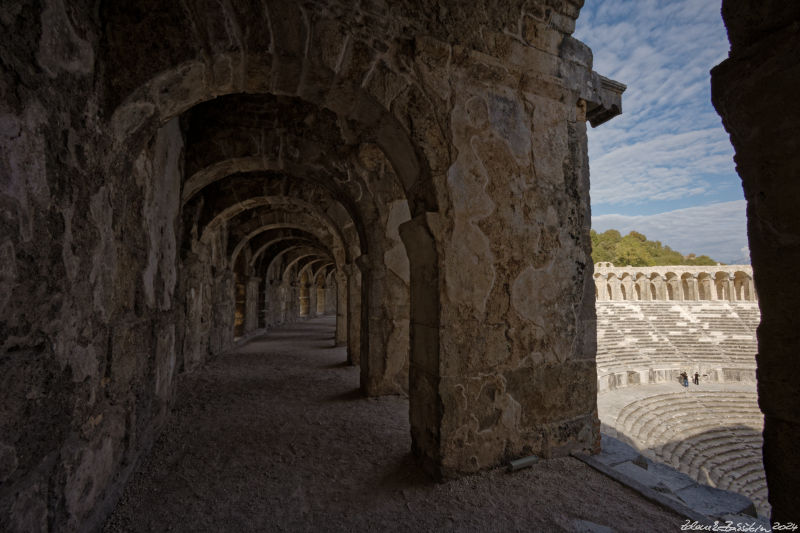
x=605 y=100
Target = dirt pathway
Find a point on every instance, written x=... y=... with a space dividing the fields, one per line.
x=275 y=437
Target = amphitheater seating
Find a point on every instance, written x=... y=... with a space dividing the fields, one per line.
x=712 y=436
x=659 y=339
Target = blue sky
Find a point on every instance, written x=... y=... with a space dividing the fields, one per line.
x=665 y=166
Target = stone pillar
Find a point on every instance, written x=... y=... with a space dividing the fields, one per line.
x=693 y=287
x=600 y=288
x=755 y=93
x=615 y=290
x=751 y=290
x=285 y=293
x=353 y=314
x=341 y=307
x=311 y=290
x=640 y=289
x=251 y=304
x=263 y=303
x=661 y=288
x=729 y=286
x=240 y=305
x=322 y=293
x=384 y=353
x=711 y=286
x=502 y=296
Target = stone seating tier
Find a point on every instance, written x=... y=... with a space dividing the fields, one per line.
x=712 y=436
x=653 y=341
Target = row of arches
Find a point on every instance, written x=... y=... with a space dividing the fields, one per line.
x=648 y=286
x=219 y=168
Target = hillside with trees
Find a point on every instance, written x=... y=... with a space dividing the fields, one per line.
x=635 y=250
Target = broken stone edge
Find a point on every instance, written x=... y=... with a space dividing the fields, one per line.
x=646 y=492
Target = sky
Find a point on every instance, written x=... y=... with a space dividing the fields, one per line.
x=664 y=167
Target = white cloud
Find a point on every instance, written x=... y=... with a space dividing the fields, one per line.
x=717 y=230
x=669 y=142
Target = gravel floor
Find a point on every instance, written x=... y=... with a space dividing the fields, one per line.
x=275 y=437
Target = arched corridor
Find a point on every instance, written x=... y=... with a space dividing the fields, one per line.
x=275 y=435
x=179 y=178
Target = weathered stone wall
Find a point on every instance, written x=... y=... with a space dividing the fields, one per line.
x=91 y=324
x=754 y=91
x=513 y=371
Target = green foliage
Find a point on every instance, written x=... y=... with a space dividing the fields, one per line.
x=635 y=250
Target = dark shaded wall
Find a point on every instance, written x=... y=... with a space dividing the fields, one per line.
x=98 y=310
x=755 y=92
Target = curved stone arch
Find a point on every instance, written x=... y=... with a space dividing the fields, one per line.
x=612 y=286
x=325 y=269
x=723 y=285
x=307 y=69
x=319 y=284
x=236 y=168
x=259 y=174
x=308 y=267
x=705 y=286
x=689 y=286
x=281 y=246
x=743 y=286
x=656 y=289
x=278 y=220
x=294 y=275
x=298 y=251
x=277 y=203
x=640 y=286
x=287 y=210
x=672 y=285
x=295 y=239
x=368 y=167
x=236 y=193
x=626 y=286
x=175 y=90
x=297 y=254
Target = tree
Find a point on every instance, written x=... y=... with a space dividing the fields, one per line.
x=634 y=249
x=631 y=251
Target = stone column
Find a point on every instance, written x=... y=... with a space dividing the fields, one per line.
x=322 y=300
x=712 y=293
x=353 y=314
x=694 y=290
x=341 y=307
x=755 y=93
x=311 y=288
x=384 y=356
x=661 y=288
x=615 y=292
x=285 y=292
x=751 y=290
x=251 y=304
x=600 y=288
x=502 y=296
x=240 y=305
x=729 y=286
